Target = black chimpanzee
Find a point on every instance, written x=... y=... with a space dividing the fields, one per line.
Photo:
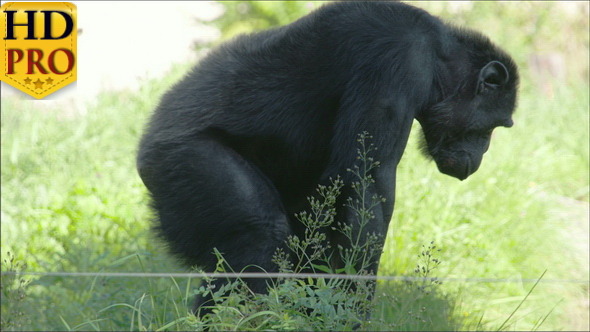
x=236 y=147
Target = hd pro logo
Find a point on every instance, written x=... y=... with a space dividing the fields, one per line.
x=38 y=46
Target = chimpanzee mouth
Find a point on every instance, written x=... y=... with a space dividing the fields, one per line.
x=457 y=165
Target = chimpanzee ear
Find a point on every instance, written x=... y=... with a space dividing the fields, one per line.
x=492 y=76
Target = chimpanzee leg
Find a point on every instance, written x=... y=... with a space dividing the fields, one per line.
x=208 y=196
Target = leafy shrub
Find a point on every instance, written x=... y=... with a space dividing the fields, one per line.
x=315 y=303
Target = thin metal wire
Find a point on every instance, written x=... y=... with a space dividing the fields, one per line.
x=253 y=275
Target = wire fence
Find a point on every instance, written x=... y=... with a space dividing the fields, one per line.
x=254 y=275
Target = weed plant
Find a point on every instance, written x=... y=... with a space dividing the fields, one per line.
x=311 y=304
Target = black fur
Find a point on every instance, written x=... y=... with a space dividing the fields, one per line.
x=234 y=149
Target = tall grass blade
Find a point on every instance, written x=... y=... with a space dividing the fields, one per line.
x=537 y=326
x=521 y=302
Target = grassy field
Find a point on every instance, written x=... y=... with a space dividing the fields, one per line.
x=72 y=201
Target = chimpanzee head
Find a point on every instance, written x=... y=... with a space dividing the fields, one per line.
x=482 y=96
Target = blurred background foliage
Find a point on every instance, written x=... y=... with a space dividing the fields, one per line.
x=249 y=16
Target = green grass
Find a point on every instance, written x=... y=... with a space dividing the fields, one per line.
x=509 y=219
x=72 y=201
